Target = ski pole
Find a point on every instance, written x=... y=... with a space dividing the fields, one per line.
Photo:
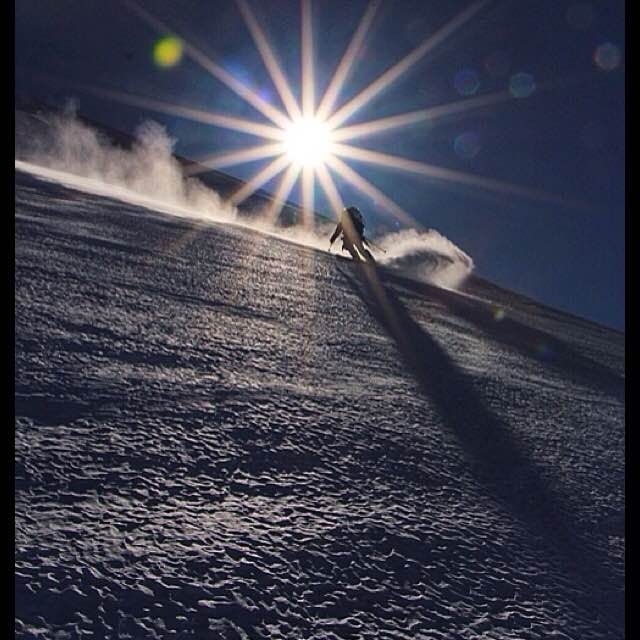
x=375 y=245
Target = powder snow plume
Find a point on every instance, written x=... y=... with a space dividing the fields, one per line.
x=428 y=256
x=146 y=174
x=64 y=148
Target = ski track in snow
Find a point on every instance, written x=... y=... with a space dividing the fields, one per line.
x=223 y=435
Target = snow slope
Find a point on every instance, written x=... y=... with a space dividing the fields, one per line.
x=220 y=434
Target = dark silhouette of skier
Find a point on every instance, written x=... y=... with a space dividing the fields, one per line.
x=351 y=226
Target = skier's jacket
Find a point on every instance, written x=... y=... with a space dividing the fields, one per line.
x=349 y=217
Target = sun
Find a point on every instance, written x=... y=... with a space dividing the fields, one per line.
x=307 y=142
x=310 y=141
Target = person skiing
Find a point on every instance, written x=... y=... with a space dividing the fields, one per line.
x=351 y=225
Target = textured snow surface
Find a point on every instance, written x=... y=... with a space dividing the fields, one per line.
x=223 y=435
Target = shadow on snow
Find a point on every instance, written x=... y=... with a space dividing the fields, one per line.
x=530 y=342
x=494 y=454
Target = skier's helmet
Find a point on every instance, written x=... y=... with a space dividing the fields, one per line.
x=355 y=216
x=354 y=212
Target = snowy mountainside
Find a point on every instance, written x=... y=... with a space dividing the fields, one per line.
x=220 y=433
x=40 y=130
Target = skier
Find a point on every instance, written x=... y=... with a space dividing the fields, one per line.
x=351 y=225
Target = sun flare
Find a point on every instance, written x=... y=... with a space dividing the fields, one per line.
x=308 y=142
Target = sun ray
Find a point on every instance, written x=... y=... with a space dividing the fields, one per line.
x=197 y=115
x=431 y=114
x=231 y=158
x=263 y=176
x=308 y=196
x=280 y=197
x=344 y=67
x=363 y=185
x=214 y=69
x=450 y=175
x=293 y=139
x=330 y=189
x=308 y=92
x=401 y=67
x=269 y=58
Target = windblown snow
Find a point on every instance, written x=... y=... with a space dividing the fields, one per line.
x=62 y=146
x=222 y=434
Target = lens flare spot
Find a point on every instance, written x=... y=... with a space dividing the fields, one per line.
x=607 y=56
x=466 y=82
x=467 y=144
x=522 y=85
x=167 y=51
x=308 y=142
x=498 y=314
x=266 y=94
